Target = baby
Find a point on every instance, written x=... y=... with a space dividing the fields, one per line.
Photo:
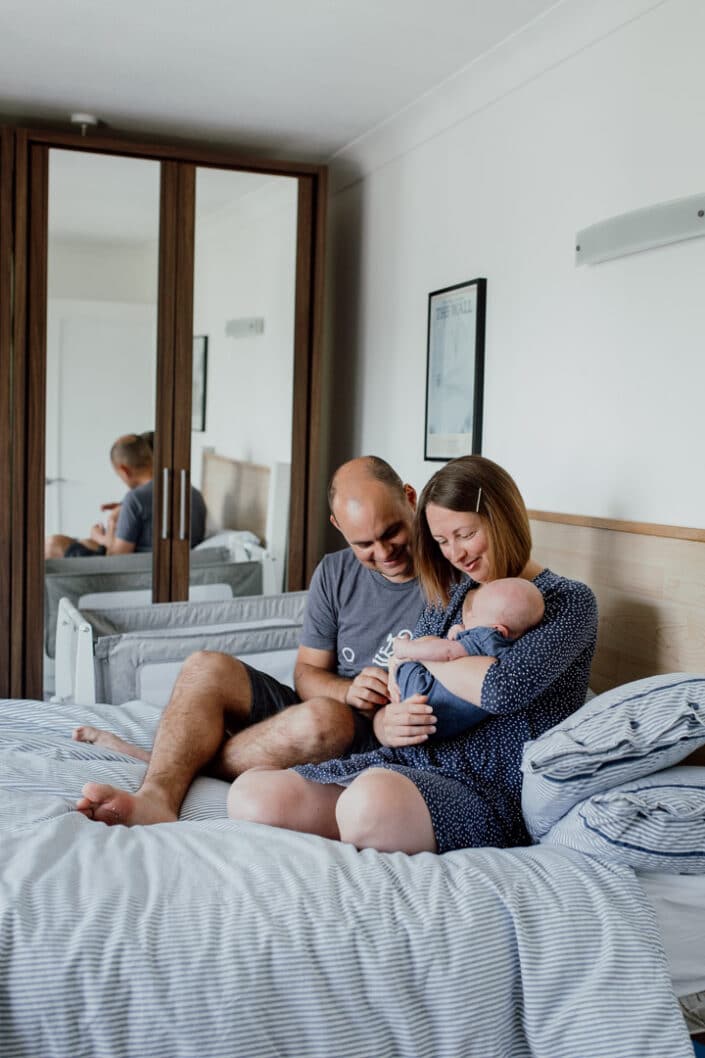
x=494 y=615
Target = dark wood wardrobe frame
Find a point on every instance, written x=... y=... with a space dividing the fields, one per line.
x=24 y=164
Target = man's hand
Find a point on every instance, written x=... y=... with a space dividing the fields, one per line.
x=368 y=691
x=113 y=517
x=405 y=723
x=98 y=534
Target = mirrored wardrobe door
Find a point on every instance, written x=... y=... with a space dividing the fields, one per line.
x=101 y=355
x=244 y=293
x=6 y=183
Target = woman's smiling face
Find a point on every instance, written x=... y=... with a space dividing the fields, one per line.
x=463 y=539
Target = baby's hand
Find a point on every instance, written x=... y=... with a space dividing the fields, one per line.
x=455 y=631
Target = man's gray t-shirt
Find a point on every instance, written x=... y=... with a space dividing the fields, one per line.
x=135 y=519
x=356 y=613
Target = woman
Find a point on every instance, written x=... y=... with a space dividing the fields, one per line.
x=415 y=795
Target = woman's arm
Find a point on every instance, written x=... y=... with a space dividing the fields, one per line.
x=463 y=676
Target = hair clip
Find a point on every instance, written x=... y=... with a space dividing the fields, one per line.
x=479 y=497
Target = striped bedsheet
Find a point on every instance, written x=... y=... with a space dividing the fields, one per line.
x=211 y=939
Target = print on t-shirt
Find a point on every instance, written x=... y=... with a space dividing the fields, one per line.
x=384 y=651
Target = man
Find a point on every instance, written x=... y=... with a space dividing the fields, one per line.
x=129 y=524
x=227 y=717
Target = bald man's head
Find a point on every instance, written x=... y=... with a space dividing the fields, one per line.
x=373 y=509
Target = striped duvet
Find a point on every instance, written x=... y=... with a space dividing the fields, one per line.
x=211 y=939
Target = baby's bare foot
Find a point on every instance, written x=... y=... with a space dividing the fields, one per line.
x=96 y=737
x=111 y=805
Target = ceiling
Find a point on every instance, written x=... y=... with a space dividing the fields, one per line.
x=282 y=79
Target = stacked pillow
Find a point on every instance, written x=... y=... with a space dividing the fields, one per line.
x=585 y=782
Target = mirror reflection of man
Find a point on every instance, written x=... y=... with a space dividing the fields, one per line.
x=128 y=526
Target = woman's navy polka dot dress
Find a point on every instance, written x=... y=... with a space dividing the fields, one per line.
x=472 y=783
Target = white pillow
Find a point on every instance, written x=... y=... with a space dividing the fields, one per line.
x=656 y=823
x=630 y=731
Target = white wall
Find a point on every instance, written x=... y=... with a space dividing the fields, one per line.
x=594 y=377
x=103 y=271
x=245 y=267
x=101 y=371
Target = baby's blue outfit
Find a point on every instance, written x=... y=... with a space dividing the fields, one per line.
x=453 y=714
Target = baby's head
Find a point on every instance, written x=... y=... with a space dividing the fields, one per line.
x=512 y=605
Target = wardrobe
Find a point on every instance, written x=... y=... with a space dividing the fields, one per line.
x=164 y=209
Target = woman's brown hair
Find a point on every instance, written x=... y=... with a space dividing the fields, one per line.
x=471 y=484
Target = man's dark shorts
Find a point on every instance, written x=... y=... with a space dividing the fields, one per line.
x=78 y=550
x=270 y=697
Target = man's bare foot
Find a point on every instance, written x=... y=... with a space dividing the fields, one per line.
x=109 y=804
x=96 y=737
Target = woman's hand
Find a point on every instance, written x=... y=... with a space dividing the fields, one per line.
x=405 y=723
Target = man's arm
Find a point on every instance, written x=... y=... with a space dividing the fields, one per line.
x=315 y=676
x=105 y=535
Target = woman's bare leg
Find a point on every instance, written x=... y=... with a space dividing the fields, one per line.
x=285 y=799
x=383 y=810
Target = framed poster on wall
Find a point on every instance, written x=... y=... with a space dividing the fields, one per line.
x=455 y=361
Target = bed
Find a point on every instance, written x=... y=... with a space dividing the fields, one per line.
x=213 y=938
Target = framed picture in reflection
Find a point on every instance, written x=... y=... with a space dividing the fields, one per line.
x=455 y=370
x=198 y=391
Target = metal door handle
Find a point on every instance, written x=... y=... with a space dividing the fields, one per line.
x=182 y=507
x=165 y=503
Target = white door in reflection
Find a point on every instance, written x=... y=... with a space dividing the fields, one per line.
x=87 y=411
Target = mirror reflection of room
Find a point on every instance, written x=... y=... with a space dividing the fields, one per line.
x=244 y=298
x=101 y=328
x=103 y=257
x=103 y=243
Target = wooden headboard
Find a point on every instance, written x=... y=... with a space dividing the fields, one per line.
x=236 y=494
x=650 y=586
x=240 y=495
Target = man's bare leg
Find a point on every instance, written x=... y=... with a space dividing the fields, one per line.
x=190 y=733
x=94 y=736
x=214 y=689
x=313 y=731
x=55 y=546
